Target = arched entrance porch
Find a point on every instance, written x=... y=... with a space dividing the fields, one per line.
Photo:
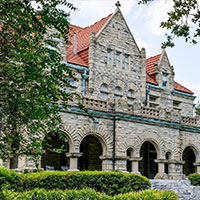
x=189 y=158
x=91 y=150
x=147 y=165
x=52 y=159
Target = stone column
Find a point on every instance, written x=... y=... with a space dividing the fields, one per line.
x=106 y=163
x=161 y=169
x=197 y=164
x=73 y=160
x=135 y=164
x=176 y=170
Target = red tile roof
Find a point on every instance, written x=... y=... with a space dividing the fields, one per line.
x=81 y=58
x=83 y=40
x=181 y=88
x=150 y=68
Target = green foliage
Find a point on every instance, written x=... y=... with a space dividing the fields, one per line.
x=32 y=77
x=110 y=183
x=85 y=194
x=41 y=194
x=197 y=107
x=8 y=179
x=195 y=179
x=148 y=195
x=183 y=21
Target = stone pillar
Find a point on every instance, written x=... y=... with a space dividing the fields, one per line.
x=176 y=170
x=135 y=164
x=161 y=169
x=106 y=163
x=73 y=160
x=197 y=164
x=22 y=162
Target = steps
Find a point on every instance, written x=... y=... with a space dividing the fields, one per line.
x=183 y=187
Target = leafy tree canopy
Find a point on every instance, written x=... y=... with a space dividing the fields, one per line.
x=183 y=21
x=32 y=77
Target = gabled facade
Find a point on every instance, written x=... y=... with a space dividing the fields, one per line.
x=143 y=119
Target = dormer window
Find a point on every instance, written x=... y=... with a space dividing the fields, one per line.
x=117 y=59
x=108 y=57
x=126 y=61
x=164 y=79
x=104 y=91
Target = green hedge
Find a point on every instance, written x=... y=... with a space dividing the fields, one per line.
x=148 y=195
x=110 y=183
x=8 y=179
x=87 y=194
x=195 y=179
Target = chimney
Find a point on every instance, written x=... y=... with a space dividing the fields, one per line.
x=74 y=44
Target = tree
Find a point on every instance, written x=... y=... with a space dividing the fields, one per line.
x=32 y=77
x=183 y=21
x=197 y=108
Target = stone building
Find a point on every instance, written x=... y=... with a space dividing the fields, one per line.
x=143 y=120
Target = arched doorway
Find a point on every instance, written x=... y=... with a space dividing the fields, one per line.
x=168 y=157
x=147 y=165
x=189 y=158
x=129 y=154
x=91 y=150
x=53 y=160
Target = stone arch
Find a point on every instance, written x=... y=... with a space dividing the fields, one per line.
x=99 y=132
x=103 y=79
x=70 y=134
x=194 y=148
x=155 y=139
x=135 y=88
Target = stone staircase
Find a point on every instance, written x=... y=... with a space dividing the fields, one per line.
x=183 y=187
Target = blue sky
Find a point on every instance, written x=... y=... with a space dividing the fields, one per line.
x=143 y=22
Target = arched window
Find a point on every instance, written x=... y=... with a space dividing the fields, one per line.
x=117 y=92
x=104 y=91
x=130 y=96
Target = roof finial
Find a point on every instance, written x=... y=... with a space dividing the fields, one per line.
x=118 y=4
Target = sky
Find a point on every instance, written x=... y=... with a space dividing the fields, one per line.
x=144 y=22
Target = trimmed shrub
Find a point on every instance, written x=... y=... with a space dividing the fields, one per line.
x=110 y=183
x=195 y=179
x=88 y=194
x=8 y=179
x=41 y=194
x=148 y=195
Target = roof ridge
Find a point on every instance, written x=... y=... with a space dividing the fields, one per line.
x=97 y=22
x=154 y=56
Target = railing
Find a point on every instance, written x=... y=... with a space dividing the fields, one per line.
x=95 y=104
x=138 y=109
x=189 y=121
x=150 y=112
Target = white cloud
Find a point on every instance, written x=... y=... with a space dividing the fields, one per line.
x=141 y=43
x=90 y=11
x=155 y=14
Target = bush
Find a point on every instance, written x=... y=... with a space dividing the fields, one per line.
x=110 y=183
x=148 y=195
x=88 y=194
x=195 y=179
x=8 y=179
x=41 y=194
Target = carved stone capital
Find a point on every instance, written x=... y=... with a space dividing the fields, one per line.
x=73 y=154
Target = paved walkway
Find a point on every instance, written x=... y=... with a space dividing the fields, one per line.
x=183 y=187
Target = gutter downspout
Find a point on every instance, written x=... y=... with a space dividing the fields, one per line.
x=114 y=136
x=147 y=94
x=84 y=76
